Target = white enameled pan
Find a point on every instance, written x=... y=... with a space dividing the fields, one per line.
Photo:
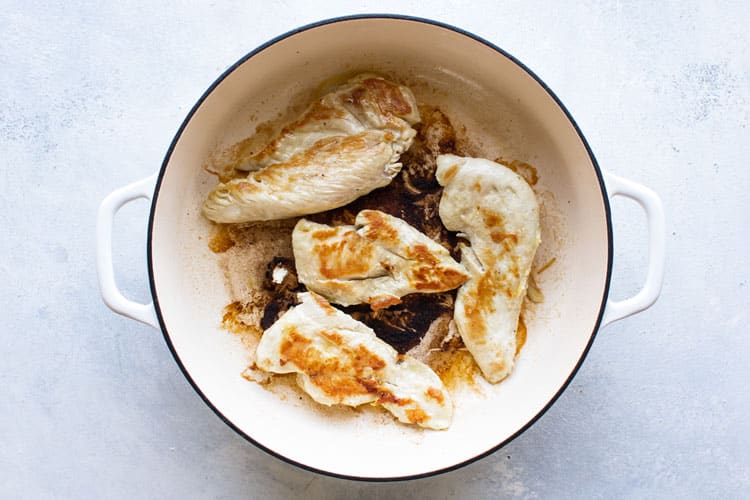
x=508 y=112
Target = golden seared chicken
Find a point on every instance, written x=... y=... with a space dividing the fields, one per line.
x=365 y=102
x=378 y=260
x=339 y=360
x=345 y=145
x=498 y=212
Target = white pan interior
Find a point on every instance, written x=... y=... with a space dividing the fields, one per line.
x=510 y=115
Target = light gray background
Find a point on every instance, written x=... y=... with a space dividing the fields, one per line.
x=93 y=406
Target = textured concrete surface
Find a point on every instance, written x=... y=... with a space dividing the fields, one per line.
x=93 y=406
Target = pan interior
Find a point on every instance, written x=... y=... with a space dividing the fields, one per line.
x=506 y=113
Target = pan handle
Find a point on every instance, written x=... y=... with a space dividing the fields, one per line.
x=651 y=204
x=113 y=298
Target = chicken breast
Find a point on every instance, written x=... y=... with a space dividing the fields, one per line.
x=332 y=173
x=376 y=261
x=344 y=146
x=498 y=212
x=340 y=361
x=365 y=102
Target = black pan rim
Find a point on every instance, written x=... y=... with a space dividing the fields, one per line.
x=170 y=150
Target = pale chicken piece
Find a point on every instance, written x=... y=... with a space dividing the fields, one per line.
x=345 y=145
x=498 y=212
x=377 y=261
x=332 y=173
x=365 y=102
x=340 y=361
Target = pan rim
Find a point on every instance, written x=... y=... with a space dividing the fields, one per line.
x=154 y=202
